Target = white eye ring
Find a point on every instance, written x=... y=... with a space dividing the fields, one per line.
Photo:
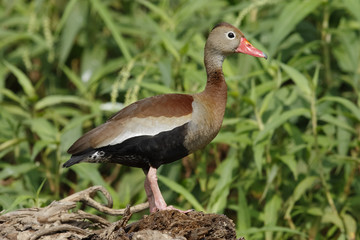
x=230 y=35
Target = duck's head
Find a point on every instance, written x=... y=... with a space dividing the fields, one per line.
x=225 y=39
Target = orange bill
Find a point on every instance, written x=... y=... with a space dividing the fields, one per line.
x=247 y=48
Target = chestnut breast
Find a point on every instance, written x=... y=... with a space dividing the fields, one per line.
x=205 y=124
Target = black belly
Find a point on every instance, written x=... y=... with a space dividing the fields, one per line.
x=143 y=151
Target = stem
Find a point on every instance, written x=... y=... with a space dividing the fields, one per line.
x=325 y=39
x=314 y=124
x=57 y=168
x=318 y=155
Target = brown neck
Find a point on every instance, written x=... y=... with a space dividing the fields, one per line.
x=215 y=84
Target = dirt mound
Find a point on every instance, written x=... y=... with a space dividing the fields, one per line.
x=192 y=225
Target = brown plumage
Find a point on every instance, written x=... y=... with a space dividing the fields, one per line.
x=165 y=128
x=157 y=106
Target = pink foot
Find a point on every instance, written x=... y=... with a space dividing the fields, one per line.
x=170 y=207
x=155 y=198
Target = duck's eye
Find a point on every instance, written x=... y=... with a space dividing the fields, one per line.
x=230 y=35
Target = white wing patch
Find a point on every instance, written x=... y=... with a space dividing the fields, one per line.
x=149 y=126
x=96 y=157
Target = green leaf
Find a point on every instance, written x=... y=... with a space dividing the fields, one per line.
x=271 y=215
x=38 y=192
x=347 y=53
x=11 y=95
x=20 y=199
x=274 y=229
x=315 y=211
x=10 y=143
x=350 y=225
x=158 y=88
x=131 y=184
x=168 y=41
x=15 y=171
x=21 y=37
x=346 y=103
x=265 y=104
x=315 y=78
x=303 y=186
x=158 y=11
x=89 y=172
x=243 y=211
x=92 y=59
x=74 y=79
x=258 y=150
x=182 y=191
x=44 y=129
x=110 y=66
x=332 y=217
x=226 y=137
x=343 y=138
x=75 y=21
x=23 y=80
x=17 y=111
x=275 y=123
x=299 y=79
x=288 y=20
x=65 y=15
x=289 y=160
x=299 y=191
x=219 y=195
x=337 y=122
x=271 y=174
x=165 y=69
x=107 y=18
x=60 y=99
x=353 y=6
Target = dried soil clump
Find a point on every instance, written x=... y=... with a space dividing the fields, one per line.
x=192 y=225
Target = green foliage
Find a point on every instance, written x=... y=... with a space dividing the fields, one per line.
x=286 y=162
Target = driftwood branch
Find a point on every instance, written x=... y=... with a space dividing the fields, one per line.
x=87 y=195
x=34 y=223
x=62 y=220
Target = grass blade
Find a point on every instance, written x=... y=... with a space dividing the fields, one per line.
x=106 y=16
x=346 y=103
x=353 y=6
x=181 y=190
x=288 y=20
x=275 y=123
x=158 y=11
x=74 y=79
x=274 y=229
x=218 y=197
x=272 y=208
x=58 y=99
x=74 y=23
x=299 y=79
x=299 y=191
x=23 y=80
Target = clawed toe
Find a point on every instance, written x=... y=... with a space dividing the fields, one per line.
x=167 y=208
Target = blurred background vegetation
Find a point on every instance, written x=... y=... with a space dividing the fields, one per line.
x=286 y=163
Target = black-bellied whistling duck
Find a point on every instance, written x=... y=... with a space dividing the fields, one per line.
x=165 y=128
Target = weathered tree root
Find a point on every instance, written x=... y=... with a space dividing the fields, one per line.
x=57 y=222
x=34 y=223
x=87 y=195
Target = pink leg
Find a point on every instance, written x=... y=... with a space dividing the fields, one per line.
x=150 y=196
x=155 y=198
